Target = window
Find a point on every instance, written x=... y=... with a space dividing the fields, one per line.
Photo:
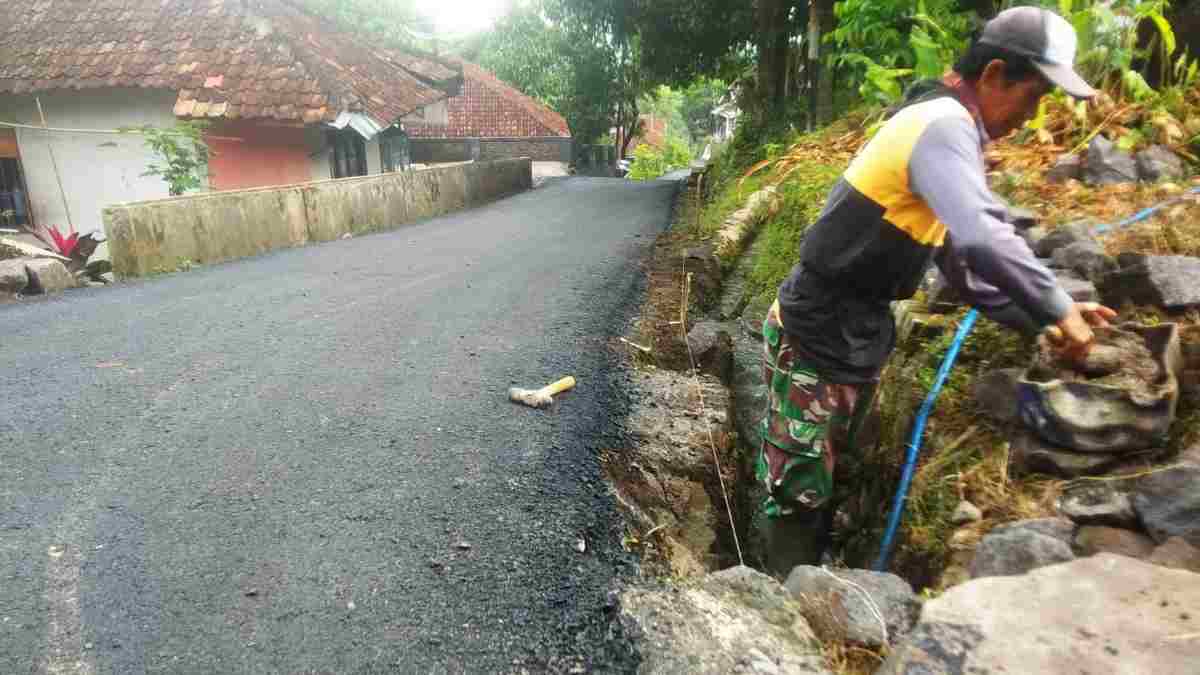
x=14 y=204
x=393 y=147
x=349 y=154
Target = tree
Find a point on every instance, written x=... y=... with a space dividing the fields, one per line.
x=396 y=21
x=699 y=99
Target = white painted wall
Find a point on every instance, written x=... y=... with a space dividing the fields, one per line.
x=96 y=169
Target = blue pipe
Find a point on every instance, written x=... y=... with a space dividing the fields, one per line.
x=964 y=329
x=914 y=444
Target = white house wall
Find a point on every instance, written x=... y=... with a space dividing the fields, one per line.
x=96 y=169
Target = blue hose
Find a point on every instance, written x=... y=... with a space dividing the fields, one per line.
x=914 y=444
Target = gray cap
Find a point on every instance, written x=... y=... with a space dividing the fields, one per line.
x=1046 y=38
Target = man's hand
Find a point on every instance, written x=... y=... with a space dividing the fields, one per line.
x=1074 y=333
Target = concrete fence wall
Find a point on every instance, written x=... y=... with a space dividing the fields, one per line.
x=161 y=235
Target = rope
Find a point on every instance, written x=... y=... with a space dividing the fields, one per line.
x=712 y=444
x=871 y=605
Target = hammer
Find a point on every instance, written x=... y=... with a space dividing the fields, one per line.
x=540 y=398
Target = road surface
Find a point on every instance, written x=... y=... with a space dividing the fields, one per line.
x=306 y=462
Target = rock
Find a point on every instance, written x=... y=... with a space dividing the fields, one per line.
x=1108 y=165
x=1169 y=281
x=1017 y=551
x=995 y=394
x=965 y=513
x=1085 y=258
x=1168 y=502
x=1080 y=290
x=1093 y=539
x=712 y=348
x=940 y=296
x=1076 y=617
x=1098 y=504
x=1055 y=528
x=838 y=611
x=1066 y=167
x=913 y=323
x=734 y=621
x=1176 y=553
x=1080 y=230
x=13 y=276
x=47 y=275
x=1029 y=454
x=1157 y=163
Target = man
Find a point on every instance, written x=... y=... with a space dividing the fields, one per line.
x=916 y=193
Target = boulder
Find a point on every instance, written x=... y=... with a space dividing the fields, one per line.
x=712 y=348
x=1102 y=614
x=1080 y=230
x=1066 y=167
x=851 y=605
x=13 y=276
x=1029 y=454
x=1108 y=165
x=995 y=394
x=1016 y=551
x=1157 y=163
x=733 y=621
x=47 y=275
x=1093 y=539
x=1169 y=281
x=1167 y=502
x=1098 y=504
x=1086 y=259
x=1176 y=553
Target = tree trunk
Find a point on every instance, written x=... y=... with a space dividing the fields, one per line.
x=774 y=34
x=822 y=21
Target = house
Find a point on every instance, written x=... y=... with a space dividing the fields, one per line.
x=489 y=119
x=651 y=130
x=725 y=118
x=289 y=98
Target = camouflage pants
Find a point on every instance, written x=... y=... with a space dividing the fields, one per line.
x=807 y=424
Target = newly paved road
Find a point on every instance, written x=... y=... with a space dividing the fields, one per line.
x=277 y=465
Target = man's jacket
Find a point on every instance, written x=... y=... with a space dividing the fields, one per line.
x=917 y=192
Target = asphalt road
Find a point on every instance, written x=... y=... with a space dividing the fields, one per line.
x=306 y=462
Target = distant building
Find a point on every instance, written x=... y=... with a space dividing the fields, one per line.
x=289 y=96
x=489 y=119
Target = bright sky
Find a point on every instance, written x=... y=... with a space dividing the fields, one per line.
x=456 y=17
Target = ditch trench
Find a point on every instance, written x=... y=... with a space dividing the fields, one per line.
x=669 y=485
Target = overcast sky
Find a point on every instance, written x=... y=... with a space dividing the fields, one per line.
x=462 y=16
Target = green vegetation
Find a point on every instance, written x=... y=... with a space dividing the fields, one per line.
x=650 y=163
x=181 y=155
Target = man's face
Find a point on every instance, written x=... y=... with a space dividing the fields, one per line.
x=1007 y=105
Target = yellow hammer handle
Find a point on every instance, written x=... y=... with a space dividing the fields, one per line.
x=562 y=385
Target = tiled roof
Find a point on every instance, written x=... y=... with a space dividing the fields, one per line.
x=226 y=58
x=489 y=108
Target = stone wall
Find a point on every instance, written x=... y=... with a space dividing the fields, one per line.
x=162 y=235
x=438 y=150
x=537 y=149
x=441 y=150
